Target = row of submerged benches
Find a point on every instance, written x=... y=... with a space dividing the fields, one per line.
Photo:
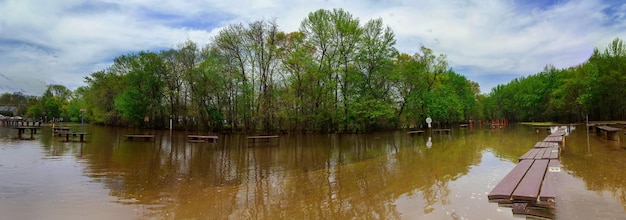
x=530 y=187
x=198 y=138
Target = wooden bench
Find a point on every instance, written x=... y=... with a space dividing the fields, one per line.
x=611 y=132
x=267 y=138
x=531 y=182
x=146 y=137
x=415 y=132
x=201 y=138
x=73 y=134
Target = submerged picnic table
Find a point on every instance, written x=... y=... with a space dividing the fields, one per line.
x=611 y=132
x=262 y=137
x=22 y=130
x=73 y=134
x=146 y=137
x=202 y=138
x=415 y=132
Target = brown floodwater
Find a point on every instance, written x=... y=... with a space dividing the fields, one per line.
x=387 y=175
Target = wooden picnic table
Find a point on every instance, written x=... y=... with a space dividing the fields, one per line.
x=262 y=137
x=202 y=138
x=543 y=144
x=612 y=133
x=22 y=130
x=74 y=134
x=60 y=129
x=442 y=130
x=415 y=132
x=146 y=137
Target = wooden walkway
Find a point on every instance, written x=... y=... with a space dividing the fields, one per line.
x=531 y=185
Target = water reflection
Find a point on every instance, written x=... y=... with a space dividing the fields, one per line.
x=304 y=176
x=381 y=175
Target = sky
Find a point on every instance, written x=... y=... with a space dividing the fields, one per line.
x=491 y=42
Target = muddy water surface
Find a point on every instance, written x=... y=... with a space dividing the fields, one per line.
x=388 y=175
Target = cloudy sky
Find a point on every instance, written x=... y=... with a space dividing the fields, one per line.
x=489 y=41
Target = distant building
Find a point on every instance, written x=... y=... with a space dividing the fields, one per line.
x=8 y=110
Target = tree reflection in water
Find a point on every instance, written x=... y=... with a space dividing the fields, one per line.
x=380 y=175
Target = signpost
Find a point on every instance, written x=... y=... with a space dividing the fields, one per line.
x=82 y=122
x=429 y=144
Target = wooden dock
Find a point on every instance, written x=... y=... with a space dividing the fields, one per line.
x=531 y=185
x=202 y=138
x=266 y=138
x=145 y=137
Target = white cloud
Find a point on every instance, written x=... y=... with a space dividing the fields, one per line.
x=64 y=41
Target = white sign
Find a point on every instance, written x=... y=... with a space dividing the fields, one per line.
x=429 y=120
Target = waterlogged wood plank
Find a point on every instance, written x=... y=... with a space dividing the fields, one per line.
x=507 y=185
x=528 y=188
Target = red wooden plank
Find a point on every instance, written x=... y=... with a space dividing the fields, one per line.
x=528 y=188
x=548 y=187
x=507 y=185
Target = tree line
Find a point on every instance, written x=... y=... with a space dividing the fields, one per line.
x=593 y=89
x=335 y=74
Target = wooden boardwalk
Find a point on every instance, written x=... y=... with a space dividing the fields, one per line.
x=531 y=185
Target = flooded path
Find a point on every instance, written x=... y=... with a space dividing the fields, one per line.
x=388 y=175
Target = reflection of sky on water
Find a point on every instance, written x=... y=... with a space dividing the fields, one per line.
x=387 y=174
